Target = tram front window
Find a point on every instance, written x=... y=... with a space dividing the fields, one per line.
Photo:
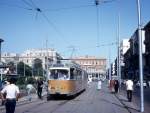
x=53 y=74
x=59 y=74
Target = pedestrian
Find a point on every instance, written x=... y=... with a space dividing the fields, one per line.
x=4 y=85
x=39 y=88
x=112 y=86
x=12 y=94
x=99 y=84
x=116 y=86
x=89 y=80
x=30 y=88
x=129 y=88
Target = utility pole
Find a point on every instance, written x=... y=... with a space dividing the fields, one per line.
x=118 y=59
x=46 y=59
x=140 y=56
x=109 y=65
x=1 y=40
x=16 y=68
x=24 y=73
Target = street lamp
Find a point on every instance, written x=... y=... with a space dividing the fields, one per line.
x=140 y=55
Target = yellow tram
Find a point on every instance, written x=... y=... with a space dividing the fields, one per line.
x=66 y=78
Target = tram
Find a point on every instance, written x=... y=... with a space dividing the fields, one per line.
x=66 y=78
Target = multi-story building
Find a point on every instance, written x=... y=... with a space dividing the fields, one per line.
x=10 y=57
x=147 y=51
x=124 y=46
x=45 y=55
x=95 y=67
x=131 y=57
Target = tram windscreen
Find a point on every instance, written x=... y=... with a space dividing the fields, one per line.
x=60 y=74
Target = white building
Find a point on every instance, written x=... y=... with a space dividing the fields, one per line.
x=30 y=55
x=10 y=57
x=124 y=46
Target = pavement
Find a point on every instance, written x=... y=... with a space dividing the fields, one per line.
x=25 y=99
x=102 y=101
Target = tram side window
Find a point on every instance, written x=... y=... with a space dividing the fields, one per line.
x=79 y=74
x=72 y=73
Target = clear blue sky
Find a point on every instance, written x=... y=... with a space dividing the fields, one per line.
x=68 y=23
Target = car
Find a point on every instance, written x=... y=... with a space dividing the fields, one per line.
x=138 y=84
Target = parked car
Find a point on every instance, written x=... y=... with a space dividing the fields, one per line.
x=144 y=84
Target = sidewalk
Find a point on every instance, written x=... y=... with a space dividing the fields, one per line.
x=120 y=99
x=135 y=104
x=24 y=100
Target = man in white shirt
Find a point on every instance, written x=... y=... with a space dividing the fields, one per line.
x=129 y=88
x=12 y=94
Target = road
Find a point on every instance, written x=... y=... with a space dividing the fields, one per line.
x=90 y=101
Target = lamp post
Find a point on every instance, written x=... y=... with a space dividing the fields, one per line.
x=140 y=55
x=1 y=40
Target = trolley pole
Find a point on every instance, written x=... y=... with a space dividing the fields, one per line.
x=140 y=56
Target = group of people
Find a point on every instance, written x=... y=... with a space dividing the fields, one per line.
x=30 y=89
x=114 y=87
x=10 y=93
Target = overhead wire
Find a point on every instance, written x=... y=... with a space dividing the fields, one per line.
x=39 y=10
x=69 y=8
x=16 y=6
x=33 y=6
x=27 y=3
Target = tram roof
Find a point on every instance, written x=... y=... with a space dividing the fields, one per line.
x=65 y=63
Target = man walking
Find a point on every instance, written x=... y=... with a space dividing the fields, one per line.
x=12 y=94
x=129 y=87
x=30 y=88
x=116 y=86
x=39 y=88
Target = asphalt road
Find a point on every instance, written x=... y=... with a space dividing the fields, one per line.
x=89 y=101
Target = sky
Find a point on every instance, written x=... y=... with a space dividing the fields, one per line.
x=72 y=27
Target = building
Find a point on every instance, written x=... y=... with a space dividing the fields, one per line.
x=131 y=57
x=95 y=67
x=47 y=57
x=124 y=46
x=147 y=50
x=44 y=55
x=10 y=57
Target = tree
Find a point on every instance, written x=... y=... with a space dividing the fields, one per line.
x=21 y=66
x=37 y=67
